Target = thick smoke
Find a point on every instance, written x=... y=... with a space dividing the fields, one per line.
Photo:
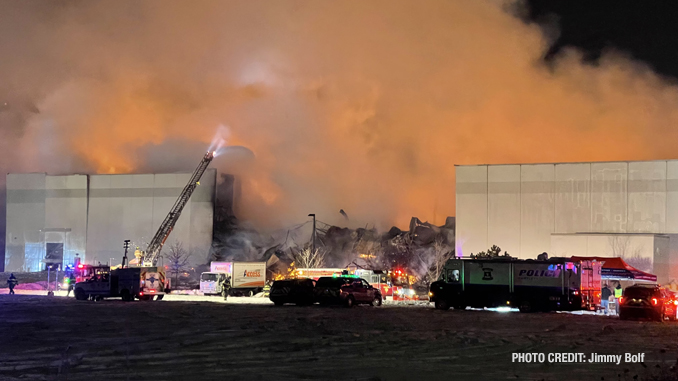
x=360 y=106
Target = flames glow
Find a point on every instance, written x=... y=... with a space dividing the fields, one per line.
x=361 y=106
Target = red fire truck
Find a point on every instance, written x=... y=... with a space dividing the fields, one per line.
x=316 y=273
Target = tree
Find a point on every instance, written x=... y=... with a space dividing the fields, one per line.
x=492 y=252
x=306 y=258
x=433 y=260
x=622 y=247
x=177 y=258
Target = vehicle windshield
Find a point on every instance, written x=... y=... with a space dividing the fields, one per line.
x=639 y=292
x=209 y=277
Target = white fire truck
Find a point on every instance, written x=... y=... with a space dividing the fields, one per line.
x=530 y=285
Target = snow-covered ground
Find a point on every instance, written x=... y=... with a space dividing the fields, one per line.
x=192 y=337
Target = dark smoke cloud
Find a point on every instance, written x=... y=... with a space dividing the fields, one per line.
x=353 y=105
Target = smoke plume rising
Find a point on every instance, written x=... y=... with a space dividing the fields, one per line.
x=360 y=106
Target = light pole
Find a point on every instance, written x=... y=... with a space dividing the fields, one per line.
x=124 y=258
x=313 y=236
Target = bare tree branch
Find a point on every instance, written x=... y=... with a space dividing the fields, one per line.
x=178 y=260
x=306 y=258
x=433 y=260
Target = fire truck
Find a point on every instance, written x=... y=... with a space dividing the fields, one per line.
x=80 y=271
x=530 y=285
x=148 y=281
x=316 y=273
x=143 y=283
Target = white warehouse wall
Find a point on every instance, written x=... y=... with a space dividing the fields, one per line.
x=99 y=212
x=519 y=207
x=24 y=220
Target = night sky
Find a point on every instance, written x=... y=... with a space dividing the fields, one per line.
x=645 y=31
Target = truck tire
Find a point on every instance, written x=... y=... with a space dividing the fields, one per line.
x=659 y=316
x=80 y=294
x=442 y=305
x=159 y=297
x=350 y=302
x=126 y=296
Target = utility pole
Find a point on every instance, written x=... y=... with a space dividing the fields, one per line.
x=313 y=236
x=124 y=259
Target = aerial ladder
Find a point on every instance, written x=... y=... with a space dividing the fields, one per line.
x=152 y=254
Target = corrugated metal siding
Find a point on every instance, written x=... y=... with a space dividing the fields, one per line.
x=119 y=207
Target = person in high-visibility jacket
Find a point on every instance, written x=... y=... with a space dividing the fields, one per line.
x=71 y=283
x=267 y=289
x=617 y=295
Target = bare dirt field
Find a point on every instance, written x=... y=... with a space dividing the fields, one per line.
x=191 y=338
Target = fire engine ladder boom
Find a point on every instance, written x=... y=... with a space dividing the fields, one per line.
x=155 y=246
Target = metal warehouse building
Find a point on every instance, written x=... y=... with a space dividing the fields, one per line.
x=57 y=217
x=626 y=209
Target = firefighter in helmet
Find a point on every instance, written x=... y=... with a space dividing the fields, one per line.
x=12 y=282
x=225 y=283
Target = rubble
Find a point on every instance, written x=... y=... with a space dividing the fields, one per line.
x=413 y=249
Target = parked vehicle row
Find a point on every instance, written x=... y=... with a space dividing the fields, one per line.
x=341 y=290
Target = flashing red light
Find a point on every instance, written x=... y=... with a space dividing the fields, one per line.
x=654 y=301
x=80 y=266
x=620 y=299
x=576 y=292
x=141 y=293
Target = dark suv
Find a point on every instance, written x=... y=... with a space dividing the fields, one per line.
x=650 y=302
x=346 y=290
x=297 y=291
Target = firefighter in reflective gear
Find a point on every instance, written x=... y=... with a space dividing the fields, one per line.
x=12 y=282
x=225 y=283
x=71 y=284
x=267 y=289
x=617 y=295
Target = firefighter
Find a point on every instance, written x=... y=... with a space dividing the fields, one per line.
x=605 y=298
x=12 y=282
x=71 y=284
x=225 y=284
x=617 y=295
x=267 y=289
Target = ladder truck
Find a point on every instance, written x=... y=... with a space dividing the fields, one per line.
x=152 y=254
x=147 y=281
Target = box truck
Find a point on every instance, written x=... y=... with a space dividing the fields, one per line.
x=247 y=278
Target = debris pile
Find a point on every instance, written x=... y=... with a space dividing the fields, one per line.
x=421 y=249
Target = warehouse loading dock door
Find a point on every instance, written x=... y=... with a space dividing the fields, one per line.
x=55 y=254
